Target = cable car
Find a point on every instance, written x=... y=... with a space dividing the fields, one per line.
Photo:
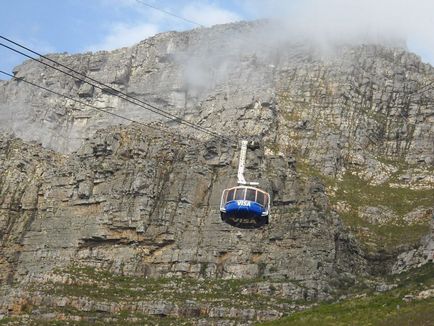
x=245 y=202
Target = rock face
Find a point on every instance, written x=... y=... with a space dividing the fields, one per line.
x=346 y=150
x=144 y=204
x=334 y=107
x=419 y=256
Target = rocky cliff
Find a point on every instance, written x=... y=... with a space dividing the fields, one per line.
x=345 y=146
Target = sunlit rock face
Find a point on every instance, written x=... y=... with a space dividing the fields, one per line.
x=141 y=203
x=339 y=101
x=345 y=149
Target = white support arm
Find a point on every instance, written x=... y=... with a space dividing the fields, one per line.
x=242 y=163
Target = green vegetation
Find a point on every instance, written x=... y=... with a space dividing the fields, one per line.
x=7 y=321
x=359 y=304
x=95 y=318
x=98 y=287
x=103 y=285
x=375 y=309
x=357 y=193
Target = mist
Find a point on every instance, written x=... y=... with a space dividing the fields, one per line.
x=354 y=21
x=321 y=26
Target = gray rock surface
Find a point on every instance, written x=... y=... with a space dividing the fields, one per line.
x=140 y=203
x=81 y=188
x=418 y=256
x=355 y=102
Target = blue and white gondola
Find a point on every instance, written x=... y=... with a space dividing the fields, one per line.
x=244 y=202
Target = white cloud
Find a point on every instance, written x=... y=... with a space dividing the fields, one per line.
x=325 y=21
x=122 y=35
x=353 y=20
x=208 y=14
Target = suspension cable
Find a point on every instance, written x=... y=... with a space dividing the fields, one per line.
x=112 y=91
x=169 y=13
x=19 y=79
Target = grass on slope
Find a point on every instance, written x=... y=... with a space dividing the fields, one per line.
x=97 y=286
x=100 y=285
x=375 y=309
x=357 y=193
x=93 y=318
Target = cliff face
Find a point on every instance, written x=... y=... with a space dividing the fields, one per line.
x=140 y=203
x=350 y=99
x=346 y=149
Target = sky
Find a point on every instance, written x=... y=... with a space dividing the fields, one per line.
x=76 y=26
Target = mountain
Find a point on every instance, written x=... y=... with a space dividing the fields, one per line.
x=115 y=222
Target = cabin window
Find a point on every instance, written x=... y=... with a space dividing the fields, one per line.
x=230 y=196
x=225 y=194
x=239 y=194
x=251 y=194
x=260 y=199
x=266 y=201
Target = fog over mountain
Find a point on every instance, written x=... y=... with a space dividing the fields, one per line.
x=353 y=21
x=103 y=220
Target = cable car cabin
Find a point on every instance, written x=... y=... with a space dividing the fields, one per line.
x=245 y=203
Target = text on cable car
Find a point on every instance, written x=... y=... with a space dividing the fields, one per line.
x=243 y=203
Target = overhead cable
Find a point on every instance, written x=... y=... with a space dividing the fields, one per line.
x=110 y=90
x=169 y=13
x=20 y=79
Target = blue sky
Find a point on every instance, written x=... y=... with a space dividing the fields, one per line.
x=88 y=25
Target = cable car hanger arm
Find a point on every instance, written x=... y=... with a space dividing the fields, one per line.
x=242 y=164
